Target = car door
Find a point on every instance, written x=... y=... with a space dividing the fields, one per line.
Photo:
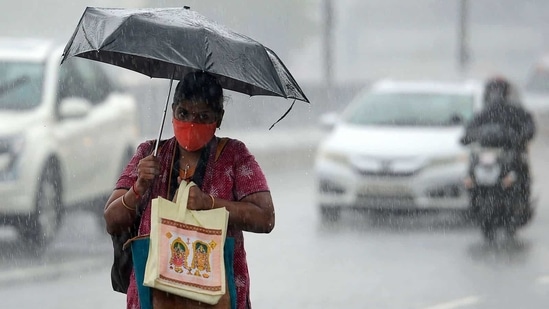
x=104 y=126
x=74 y=135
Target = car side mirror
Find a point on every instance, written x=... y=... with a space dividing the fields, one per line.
x=328 y=120
x=71 y=108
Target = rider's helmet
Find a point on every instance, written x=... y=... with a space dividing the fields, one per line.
x=497 y=90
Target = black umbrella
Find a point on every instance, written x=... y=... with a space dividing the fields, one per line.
x=171 y=42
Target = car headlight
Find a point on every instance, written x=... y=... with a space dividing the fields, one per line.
x=448 y=160
x=334 y=156
x=10 y=149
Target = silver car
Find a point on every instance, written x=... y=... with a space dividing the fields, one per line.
x=396 y=146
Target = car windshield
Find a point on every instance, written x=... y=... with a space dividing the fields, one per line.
x=20 y=85
x=410 y=109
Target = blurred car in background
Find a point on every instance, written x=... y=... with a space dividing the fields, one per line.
x=66 y=132
x=536 y=88
x=396 y=147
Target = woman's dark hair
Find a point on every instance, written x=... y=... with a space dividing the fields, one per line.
x=200 y=86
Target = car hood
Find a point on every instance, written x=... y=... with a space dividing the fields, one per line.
x=16 y=122
x=395 y=142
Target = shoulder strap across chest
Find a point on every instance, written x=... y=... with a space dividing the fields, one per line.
x=220 y=145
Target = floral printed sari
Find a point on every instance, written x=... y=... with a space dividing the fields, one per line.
x=233 y=176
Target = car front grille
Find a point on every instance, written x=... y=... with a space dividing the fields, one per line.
x=385 y=201
x=387 y=173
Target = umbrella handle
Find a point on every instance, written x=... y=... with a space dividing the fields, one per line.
x=163 y=119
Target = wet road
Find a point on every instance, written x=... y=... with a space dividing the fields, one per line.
x=432 y=262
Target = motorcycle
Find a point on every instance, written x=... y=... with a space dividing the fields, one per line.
x=499 y=192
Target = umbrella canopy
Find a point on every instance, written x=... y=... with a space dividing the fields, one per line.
x=171 y=42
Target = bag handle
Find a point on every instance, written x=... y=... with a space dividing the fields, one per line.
x=182 y=198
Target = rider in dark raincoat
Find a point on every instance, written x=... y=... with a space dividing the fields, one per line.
x=501 y=108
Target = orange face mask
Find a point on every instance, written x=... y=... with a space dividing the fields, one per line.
x=193 y=136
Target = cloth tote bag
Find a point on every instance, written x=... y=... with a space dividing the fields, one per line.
x=186 y=250
x=140 y=252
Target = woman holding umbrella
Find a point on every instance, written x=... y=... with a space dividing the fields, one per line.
x=227 y=175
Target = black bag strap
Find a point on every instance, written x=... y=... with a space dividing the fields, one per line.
x=198 y=176
x=220 y=146
x=201 y=165
x=200 y=171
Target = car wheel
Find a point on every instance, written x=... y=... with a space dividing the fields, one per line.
x=43 y=224
x=330 y=214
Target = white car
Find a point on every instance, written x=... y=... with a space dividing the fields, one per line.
x=66 y=131
x=536 y=89
x=396 y=147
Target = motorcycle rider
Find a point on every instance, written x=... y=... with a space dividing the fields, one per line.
x=503 y=108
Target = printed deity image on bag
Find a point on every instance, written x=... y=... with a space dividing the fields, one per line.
x=179 y=255
x=200 y=265
x=190 y=255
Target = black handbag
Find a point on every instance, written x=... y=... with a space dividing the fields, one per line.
x=122 y=264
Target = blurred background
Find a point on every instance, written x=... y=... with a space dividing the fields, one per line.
x=345 y=44
x=334 y=49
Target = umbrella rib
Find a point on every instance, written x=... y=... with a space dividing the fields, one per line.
x=114 y=34
x=87 y=40
x=207 y=61
x=208 y=64
x=68 y=47
x=277 y=79
x=294 y=82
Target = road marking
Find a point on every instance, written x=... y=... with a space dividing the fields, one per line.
x=462 y=302
x=543 y=280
